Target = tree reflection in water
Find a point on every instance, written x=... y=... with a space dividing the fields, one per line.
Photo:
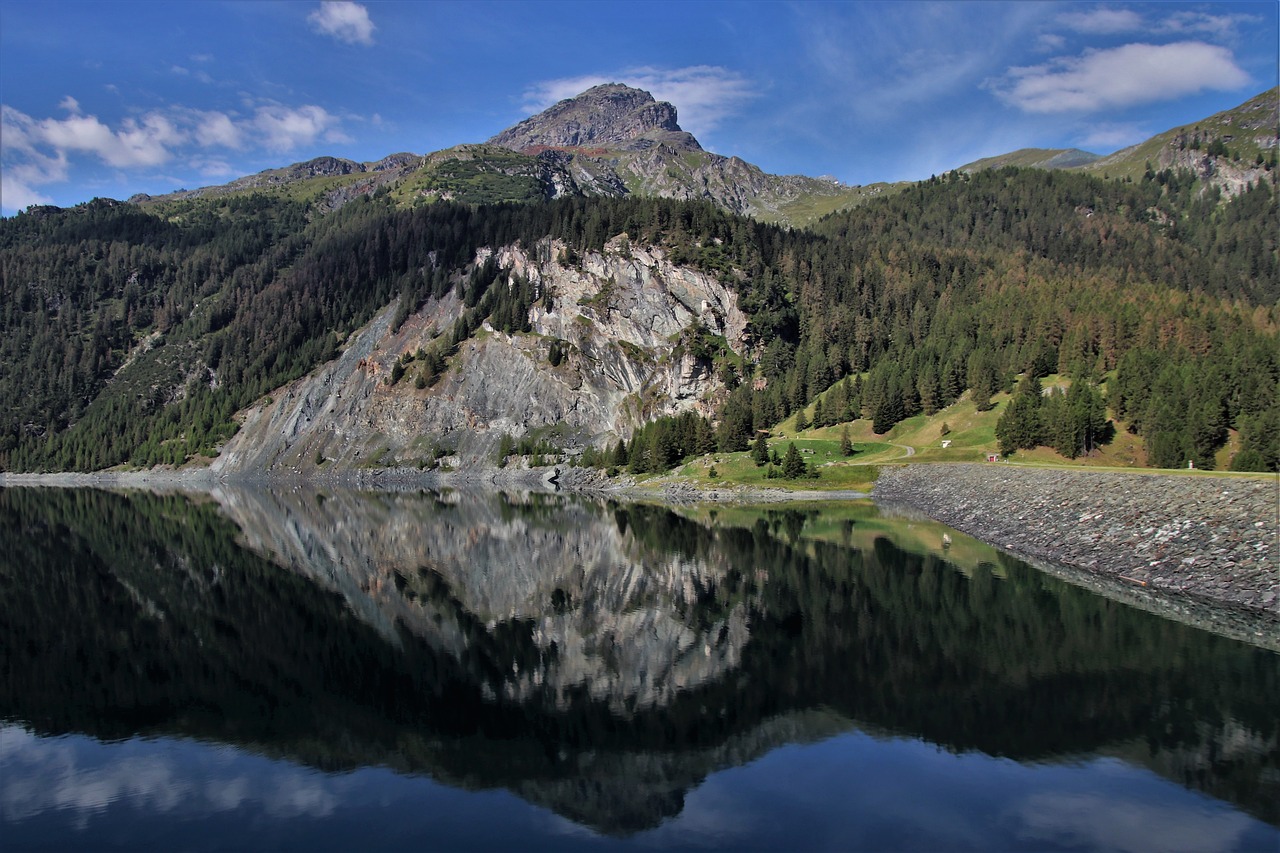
x=597 y=658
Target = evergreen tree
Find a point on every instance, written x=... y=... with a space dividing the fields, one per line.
x=1020 y=426
x=793 y=465
x=760 y=450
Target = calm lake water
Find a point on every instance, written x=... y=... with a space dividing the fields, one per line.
x=304 y=670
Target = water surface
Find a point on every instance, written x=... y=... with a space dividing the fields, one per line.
x=387 y=671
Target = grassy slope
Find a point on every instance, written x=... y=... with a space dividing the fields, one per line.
x=971 y=434
x=1239 y=125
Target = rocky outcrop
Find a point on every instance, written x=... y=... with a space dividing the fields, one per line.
x=609 y=116
x=623 y=319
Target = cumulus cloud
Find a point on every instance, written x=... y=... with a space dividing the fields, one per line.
x=37 y=152
x=703 y=95
x=217 y=129
x=344 y=20
x=138 y=142
x=286 y=128
x=1120 y=77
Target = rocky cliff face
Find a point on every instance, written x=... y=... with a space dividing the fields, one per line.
x=623 y=318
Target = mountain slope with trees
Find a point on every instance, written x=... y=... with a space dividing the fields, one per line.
x=135 y=334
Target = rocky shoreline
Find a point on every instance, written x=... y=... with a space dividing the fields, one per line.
x=589 y=481
x=1202 y=548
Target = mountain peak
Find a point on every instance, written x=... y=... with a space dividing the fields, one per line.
x=611 y=116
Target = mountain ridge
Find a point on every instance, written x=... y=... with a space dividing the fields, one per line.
x=609 y=141
x=1228 y=150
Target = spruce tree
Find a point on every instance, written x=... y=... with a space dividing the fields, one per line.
x=793 y=466
x=760 y=451
x=846 y=446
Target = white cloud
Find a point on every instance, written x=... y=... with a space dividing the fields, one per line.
x=16 y=195
x=217 y=129
x=1102 y=21
x=38 y=152
x=286 y=128
x=144 y=142
x=344 y=20
x=703 y=95
x=1120 y=77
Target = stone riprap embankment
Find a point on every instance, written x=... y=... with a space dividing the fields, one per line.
x=1205 y=538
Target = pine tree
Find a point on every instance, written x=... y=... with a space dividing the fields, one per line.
x=760 y=451
x=1020 y=425
x=793 y=466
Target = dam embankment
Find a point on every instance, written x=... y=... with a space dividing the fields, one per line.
x=1208 y=545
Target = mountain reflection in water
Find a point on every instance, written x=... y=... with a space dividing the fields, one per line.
x=601 y=660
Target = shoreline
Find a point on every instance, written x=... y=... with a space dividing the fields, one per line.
x=586 y=481
x=1202 y=550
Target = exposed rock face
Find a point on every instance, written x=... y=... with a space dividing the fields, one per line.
x=623 y=318
x=1249 y=130
x=1231 y=177
x=609 y=116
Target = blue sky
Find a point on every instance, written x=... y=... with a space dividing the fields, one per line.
x=112 y=98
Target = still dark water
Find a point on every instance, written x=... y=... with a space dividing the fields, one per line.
x=259 y=670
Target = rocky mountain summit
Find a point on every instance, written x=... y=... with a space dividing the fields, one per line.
x=610 y=116
x=616 y=140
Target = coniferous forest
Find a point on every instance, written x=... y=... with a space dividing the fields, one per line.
x=132 y=335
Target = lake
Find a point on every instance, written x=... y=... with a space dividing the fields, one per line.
x=327 y=670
